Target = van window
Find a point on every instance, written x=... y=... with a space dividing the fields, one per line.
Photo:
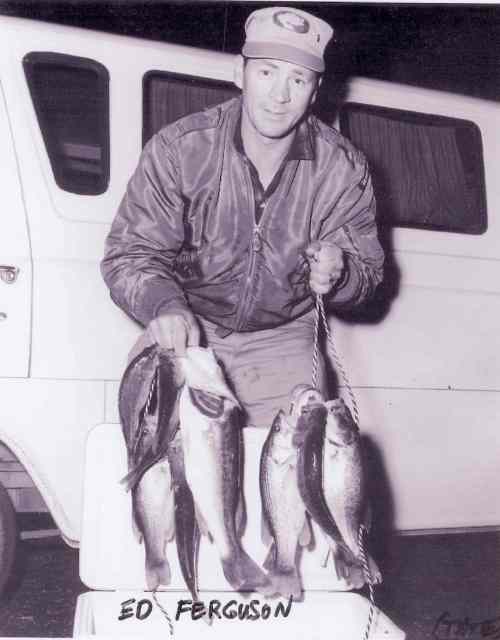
x=71 y=99
x=169 y=96
x=427 y=170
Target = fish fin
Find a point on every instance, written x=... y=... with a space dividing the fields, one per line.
x=170 y=528
x=136 y=530
x=287 y=584
x=243 y=574
x=368 y=518
x=157 y=573
x=240 y=517
x=345 y=564
x=202 y=524
x=265 y=533
x=325 y=561
x=270 y=561
x=305 y=537
x=355 y=578
x=131 y=479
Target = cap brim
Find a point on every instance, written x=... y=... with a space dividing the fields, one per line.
x=279 y=51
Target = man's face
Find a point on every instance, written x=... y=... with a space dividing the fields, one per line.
x=276 y=94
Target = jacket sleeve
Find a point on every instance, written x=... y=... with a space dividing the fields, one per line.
x=145 y=237
x=352 y=226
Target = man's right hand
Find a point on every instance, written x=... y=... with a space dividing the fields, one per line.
x=175 y=330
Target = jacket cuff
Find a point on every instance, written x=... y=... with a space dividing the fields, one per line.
x=177 y=303
x=159 y=295
x=347 y=293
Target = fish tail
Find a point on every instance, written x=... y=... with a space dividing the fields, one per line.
x=157 y=573
x=287 y=583
x=243 y=574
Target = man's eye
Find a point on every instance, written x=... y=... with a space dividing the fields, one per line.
x=299 y=81
x=265 y=72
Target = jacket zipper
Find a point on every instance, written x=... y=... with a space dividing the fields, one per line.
x=255 y=247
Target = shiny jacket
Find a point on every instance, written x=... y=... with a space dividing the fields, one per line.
x=185 y=233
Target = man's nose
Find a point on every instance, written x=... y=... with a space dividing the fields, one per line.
x=280 y=91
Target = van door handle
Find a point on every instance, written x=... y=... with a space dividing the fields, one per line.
x=8 y=274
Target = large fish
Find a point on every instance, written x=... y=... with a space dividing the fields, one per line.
x=309 y=438
x=153 y=510
x=284 y=513
x=187 y=531
x=148 y=407
x=211 y=438
x=344 y=483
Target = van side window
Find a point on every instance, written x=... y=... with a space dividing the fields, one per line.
x=170 y=96
x=71 y=99
x=428 y=170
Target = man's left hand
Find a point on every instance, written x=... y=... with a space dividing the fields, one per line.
x=326 y=263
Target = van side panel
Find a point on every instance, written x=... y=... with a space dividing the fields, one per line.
x=15 y=260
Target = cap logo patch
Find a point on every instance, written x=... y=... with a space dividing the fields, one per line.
x=291 y=21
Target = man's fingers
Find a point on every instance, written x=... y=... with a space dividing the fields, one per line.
x=320 y=288
x=175 y=331
x=313 y=249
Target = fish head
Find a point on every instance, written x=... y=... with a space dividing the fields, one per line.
x=340 y=426
x=307 y=411
x=217 y=411
x=136 y=386
x=302 y=396
x=282 y=430
x=208 y=404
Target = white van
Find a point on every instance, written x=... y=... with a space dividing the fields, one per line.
x=76 y=107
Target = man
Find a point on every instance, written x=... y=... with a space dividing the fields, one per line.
x=236 y=217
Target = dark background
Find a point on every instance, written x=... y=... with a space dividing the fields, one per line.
x=454 y=47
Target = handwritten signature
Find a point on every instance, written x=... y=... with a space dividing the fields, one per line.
x=448 y=628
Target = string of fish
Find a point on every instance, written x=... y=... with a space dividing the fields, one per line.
x=320 y=317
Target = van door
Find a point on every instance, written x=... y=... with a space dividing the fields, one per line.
x=15 y=262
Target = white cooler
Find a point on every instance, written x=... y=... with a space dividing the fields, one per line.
x=112 y=565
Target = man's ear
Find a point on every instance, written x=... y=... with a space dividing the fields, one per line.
x=238 y=71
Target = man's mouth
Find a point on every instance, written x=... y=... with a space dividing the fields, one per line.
x=275 y=114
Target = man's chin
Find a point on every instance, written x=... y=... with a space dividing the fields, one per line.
x=274 y=132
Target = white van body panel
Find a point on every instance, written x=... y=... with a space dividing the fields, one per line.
x=45 y=423
x=15 y=290
x=426 y=376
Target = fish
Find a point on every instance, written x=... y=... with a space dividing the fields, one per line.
x=187 y=531
x=212 y=445
x=148 y=400
x=148 y=408
x=153 y=511
x=283 y=511
x=344 y=485
x=309 y=439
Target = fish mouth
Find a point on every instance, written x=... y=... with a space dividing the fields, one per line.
x=302 y=396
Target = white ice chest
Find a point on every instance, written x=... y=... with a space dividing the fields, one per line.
x=112 y=565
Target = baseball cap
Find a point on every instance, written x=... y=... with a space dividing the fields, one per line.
x=288 y=34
